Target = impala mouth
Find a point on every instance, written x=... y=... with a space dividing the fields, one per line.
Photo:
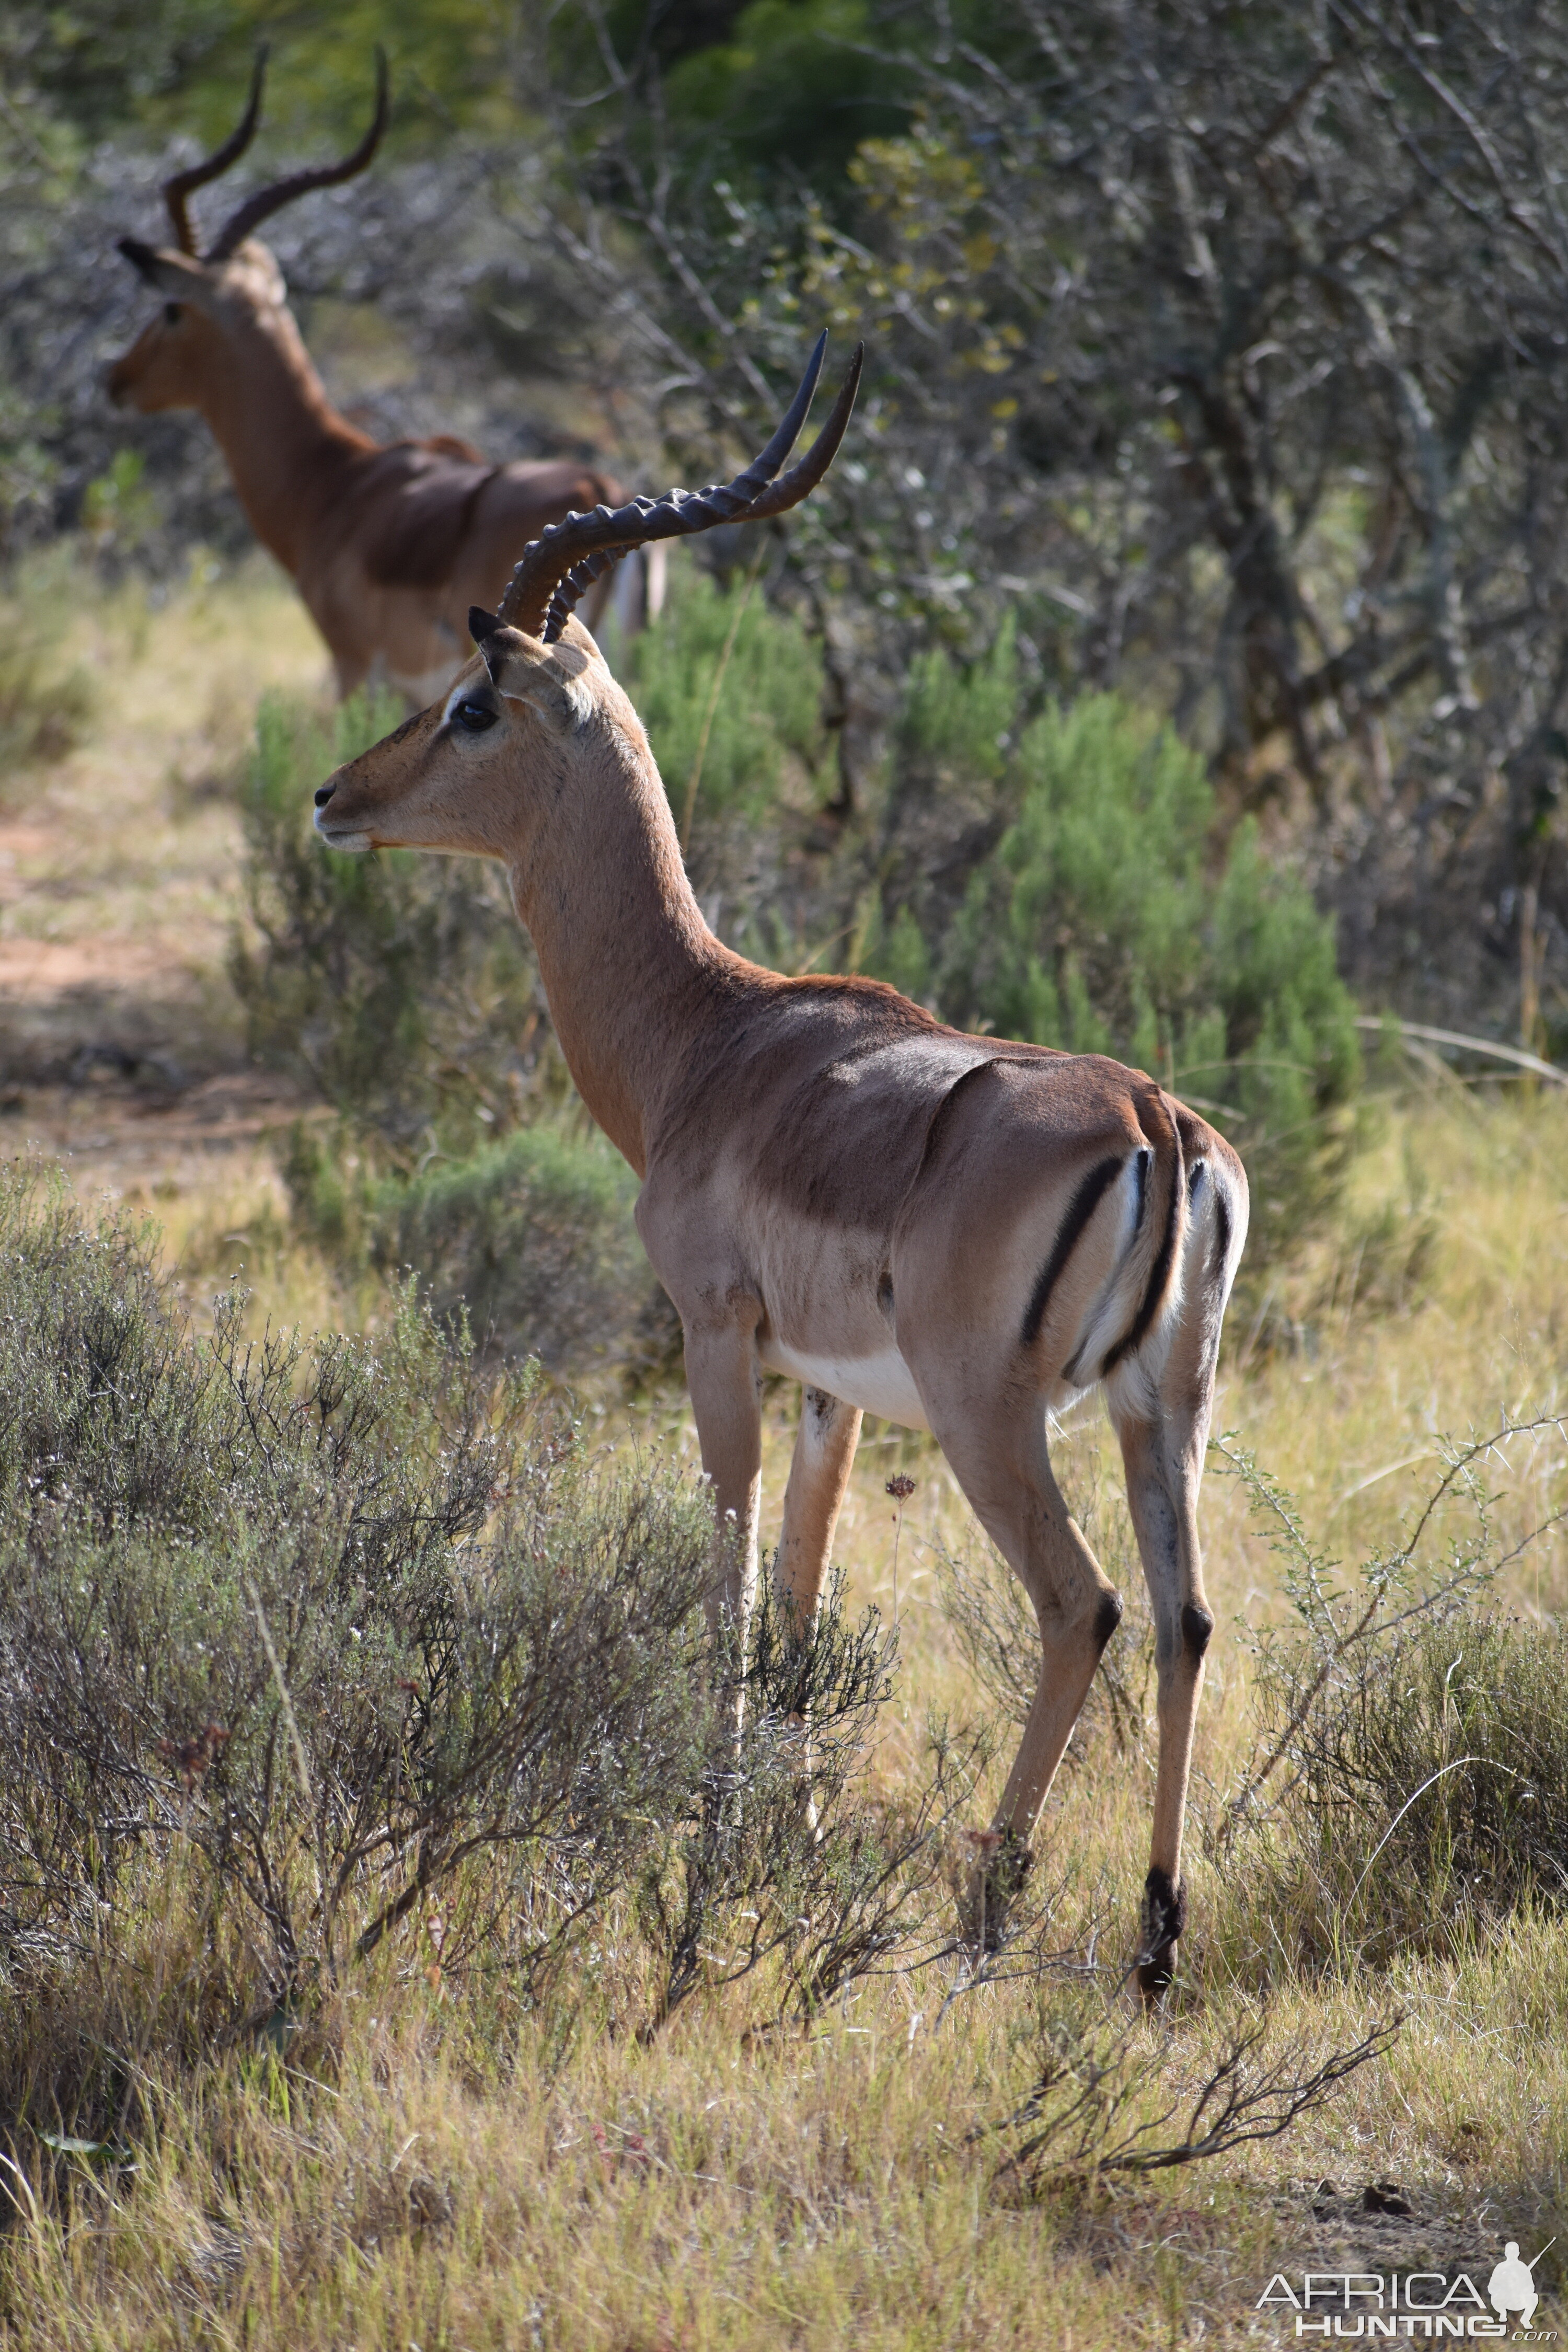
x=342 y=836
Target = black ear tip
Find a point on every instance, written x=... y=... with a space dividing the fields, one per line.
x=482 y=625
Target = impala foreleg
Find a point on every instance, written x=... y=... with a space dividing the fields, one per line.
x=721 y=1374
x=818 y=1473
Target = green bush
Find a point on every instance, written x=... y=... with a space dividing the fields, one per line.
x=744 y=711
x=954 y=725
x=530 y=1238
x=1100 y=922
x=535 y=1237
x=400 y=984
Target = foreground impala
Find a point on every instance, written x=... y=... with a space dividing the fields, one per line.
x=388 y=547
x=950 y=1232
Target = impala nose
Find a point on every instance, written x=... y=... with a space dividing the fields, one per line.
x=325 y=794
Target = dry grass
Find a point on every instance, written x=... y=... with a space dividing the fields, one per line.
x=444 y=2167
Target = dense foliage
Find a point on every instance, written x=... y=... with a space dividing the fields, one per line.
x=729 y=691
x=1227 y=350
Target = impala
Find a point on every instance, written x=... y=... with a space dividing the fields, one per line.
x=387 y=546
x=956 y=1234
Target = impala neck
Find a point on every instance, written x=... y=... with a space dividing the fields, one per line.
x=633 y=974
x=285 y=443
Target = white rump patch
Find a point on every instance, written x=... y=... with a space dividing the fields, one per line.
x=1118 y=1298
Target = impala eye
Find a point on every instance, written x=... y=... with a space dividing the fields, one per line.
x=474 y=716
x=173 y=313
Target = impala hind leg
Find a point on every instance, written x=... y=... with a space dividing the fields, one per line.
x=1004 y=1470
x=818 y=1473
x=1163 y=1458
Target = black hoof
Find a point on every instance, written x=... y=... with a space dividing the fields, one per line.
x=1164 y=1915
x=998 y=1882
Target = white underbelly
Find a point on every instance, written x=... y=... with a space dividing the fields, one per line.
x=882 y=1384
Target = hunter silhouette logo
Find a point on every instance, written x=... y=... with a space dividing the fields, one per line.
x=1511 y=2286
x=1414 y=2304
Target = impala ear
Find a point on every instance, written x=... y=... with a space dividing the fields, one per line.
x=174 y=275
x=143 y=258
x=525 y=671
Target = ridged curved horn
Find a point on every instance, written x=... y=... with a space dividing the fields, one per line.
x=569 y=556
x=268 y=200
x=184 y=184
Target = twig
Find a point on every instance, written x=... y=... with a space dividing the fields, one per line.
x=1455 y=1038
x=301 y=1765
x=1421 y=1792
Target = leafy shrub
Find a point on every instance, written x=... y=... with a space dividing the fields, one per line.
x=1099 y=922
x=534 y=1238
x=318 y=1641
x=727 y=685
x=955 y=725
x=783 y=1861
x=401 y=985
x=531 y=1238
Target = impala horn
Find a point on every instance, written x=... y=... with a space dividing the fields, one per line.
x=569 y=556
x=184 y=184
x=268 y=200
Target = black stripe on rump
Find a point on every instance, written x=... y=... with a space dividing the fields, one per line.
x=1137 y=1330
x=1221 y=1236
x=1084 y=1202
